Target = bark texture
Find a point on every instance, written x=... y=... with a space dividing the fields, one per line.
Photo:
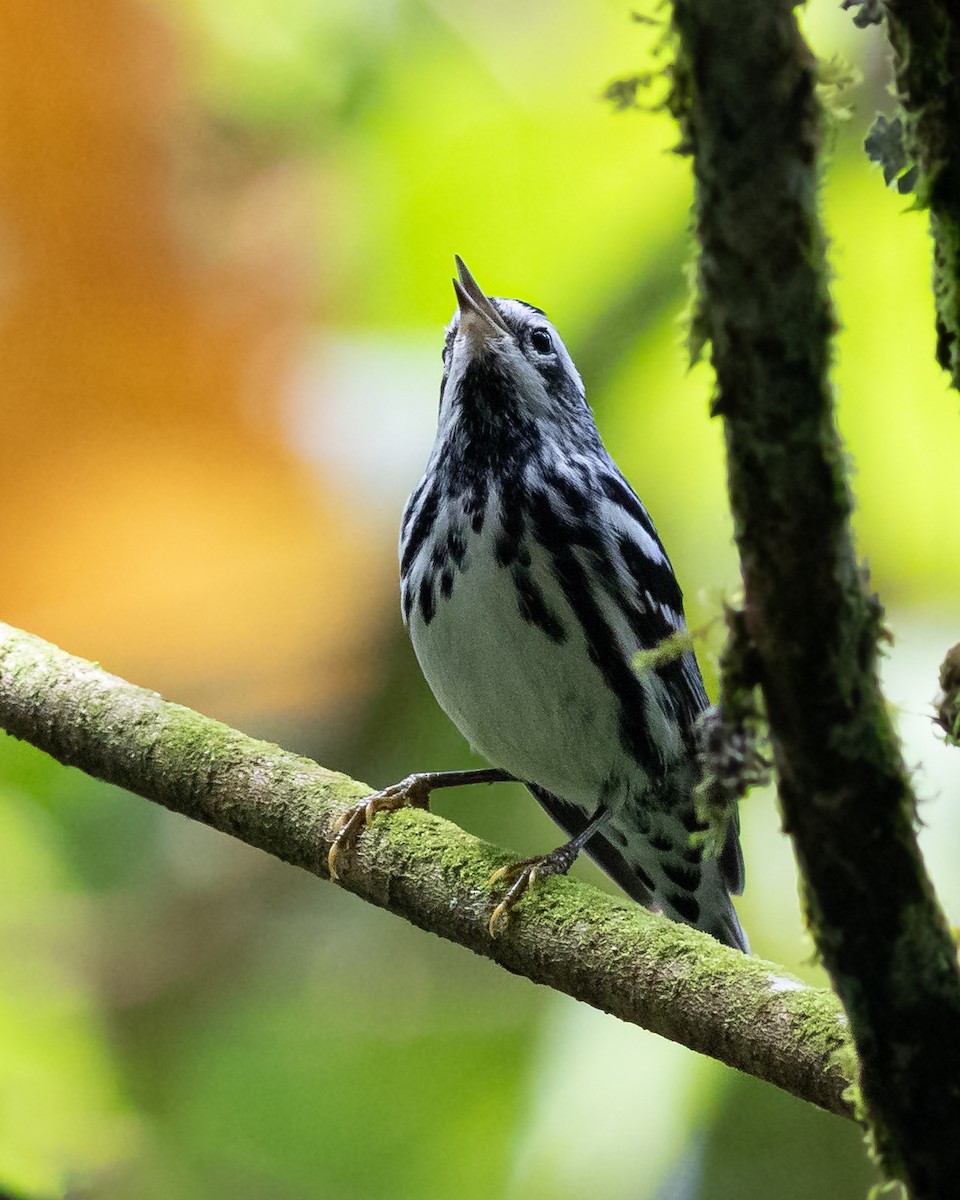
x=925 y=35
x=745 y=94
x=567 y=935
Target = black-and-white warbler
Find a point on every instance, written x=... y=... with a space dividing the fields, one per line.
x=531 y=577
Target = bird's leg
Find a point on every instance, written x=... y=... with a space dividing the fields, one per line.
x=523 y=874
x=413 y=791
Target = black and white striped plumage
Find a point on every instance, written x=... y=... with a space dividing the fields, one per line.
x=531 y=575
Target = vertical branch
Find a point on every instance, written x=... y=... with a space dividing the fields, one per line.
x=745 y=95
x=925 y=36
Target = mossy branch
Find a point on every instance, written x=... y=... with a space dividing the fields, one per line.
x=745 y=95
x=615 y=956
x=925 y=35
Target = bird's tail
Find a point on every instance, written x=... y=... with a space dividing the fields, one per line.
x=697 y=895
x=723 y=923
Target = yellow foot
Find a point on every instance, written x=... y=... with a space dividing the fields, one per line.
x=522 y=876
x=414 y=791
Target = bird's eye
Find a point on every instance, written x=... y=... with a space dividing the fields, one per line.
x=541 y=341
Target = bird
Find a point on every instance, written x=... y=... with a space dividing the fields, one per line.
x=534 y=587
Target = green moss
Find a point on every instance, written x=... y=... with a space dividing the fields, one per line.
x=663 y=653
x=196 y=740
x=827 y=1030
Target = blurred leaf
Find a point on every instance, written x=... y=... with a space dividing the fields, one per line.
x=63 y=1116
x=153 y=306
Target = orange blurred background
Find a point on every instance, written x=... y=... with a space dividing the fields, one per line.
x=157 y=275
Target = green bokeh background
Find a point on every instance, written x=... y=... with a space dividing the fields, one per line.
x=180 y=1016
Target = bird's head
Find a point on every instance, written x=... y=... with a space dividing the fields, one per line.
x=505 y=368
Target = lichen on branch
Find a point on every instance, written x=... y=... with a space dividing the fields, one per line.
x=925 y=36
x=746 y=97
x=616 y=956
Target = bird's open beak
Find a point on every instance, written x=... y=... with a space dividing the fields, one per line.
x=479 y=320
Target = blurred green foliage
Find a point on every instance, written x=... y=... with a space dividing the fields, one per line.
x=180 y=1016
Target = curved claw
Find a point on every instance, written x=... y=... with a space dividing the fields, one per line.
x=348 y=825
x=499 y=874
x=526 y=874
x=345 y=831
x=414 y=790
x=495 y=916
